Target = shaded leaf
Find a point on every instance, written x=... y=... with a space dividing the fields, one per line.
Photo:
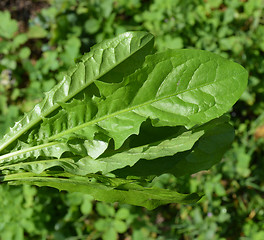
x=126 y=193
x=207 y=151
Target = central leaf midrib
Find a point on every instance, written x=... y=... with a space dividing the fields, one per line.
x=74 y=129
x=26 y=150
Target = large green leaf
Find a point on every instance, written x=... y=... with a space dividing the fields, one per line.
x=176 y=87
x=125 y=52
x=123 y=192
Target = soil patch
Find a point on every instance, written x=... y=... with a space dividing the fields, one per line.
x=23 y=10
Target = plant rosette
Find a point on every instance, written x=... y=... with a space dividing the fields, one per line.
x=124 y=115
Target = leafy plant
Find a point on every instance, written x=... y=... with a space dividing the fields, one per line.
x=11 y=52
x=122 y=116
x=17 y=64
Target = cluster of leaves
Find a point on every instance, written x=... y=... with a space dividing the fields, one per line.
x=91 y=123
x=28 y=67
x=233 y=206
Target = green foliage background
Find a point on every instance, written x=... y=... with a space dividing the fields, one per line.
x=61 y=31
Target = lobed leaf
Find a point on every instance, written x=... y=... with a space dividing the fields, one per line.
x=161 y=149
x=180 y=142
x=174 y=88
x=101 y=60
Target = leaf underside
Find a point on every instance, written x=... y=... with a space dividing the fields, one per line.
x=130 y=193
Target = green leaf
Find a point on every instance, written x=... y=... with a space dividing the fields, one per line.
x=127 y=193
x=122 y=214
x=71 y=50
x=86 y=206
x=19 y=40
x=92 y=25
x=120 y=226
x=118 y=119
x=102 y=59
x=105 y=210
x=36 y=31
x=208 y=151
x=182 y=140
x=128 y=158
x=110 y=234
x=53 y=149
x=8 y=27
x=24 y=52
x=176 y=87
